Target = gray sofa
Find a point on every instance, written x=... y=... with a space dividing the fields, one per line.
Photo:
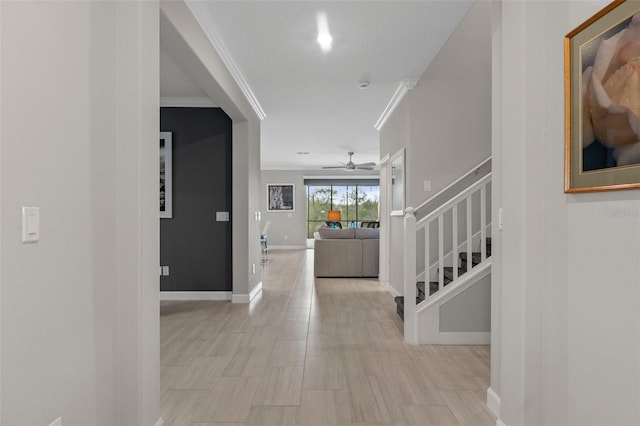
x=351 y=252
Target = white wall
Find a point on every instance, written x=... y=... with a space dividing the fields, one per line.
x=80 y=324
x=470 y=311
x=570 y=325
x=445 y=121
x=288 y=229
x=184 y=38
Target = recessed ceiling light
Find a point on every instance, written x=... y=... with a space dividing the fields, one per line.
x=324 y=36
x=363 y=84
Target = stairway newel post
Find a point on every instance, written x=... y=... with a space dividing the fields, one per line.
x=410 y=320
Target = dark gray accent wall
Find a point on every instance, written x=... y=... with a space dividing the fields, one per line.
x=193 y=244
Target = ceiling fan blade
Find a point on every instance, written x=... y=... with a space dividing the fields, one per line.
x=366 y=165
x=363 y=167
x=333 y=167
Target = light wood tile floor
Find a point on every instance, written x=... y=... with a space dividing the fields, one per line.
x=312 y=352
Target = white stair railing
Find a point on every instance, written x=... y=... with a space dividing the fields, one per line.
x=446 y=226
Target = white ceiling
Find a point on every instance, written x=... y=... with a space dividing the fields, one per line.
x=311 y=99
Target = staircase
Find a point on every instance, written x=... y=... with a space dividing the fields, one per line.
x=447 y=245
x=476 y=257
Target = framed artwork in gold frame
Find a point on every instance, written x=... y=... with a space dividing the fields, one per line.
x=602 y=101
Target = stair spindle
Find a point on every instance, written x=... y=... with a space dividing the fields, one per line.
x=483 y=223
x=440 y=252
x=454 y=231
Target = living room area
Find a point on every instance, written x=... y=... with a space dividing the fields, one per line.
x=334 y=216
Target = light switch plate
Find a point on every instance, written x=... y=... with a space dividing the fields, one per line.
x=30 y=224
x=427 y=186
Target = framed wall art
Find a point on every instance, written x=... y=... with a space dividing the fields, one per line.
x=602 y=101
x=166 y=187
x=280 y=197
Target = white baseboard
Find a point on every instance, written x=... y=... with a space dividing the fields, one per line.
x=257 y=289
x=391 y=289
x=195 y=295
x=500 y=423
x=464 y=338
x=160 y=422
x=493 y=402
x=271 y=247
x=247 y=298
x=240 y=298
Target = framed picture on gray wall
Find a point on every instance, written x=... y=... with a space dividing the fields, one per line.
x=280 y=197
x=602 y=101
x=165 y=175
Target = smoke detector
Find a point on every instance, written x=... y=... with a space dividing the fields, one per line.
x=363 y=84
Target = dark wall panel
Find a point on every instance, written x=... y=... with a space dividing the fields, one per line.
x=196 y=248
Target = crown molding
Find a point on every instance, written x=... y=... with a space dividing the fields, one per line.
x=199 y=12
x=401 y=91
x=186 y=102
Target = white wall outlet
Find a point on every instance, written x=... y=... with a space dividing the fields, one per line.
x=222 y=216
x=56 y=422
x=427 y=186
x=253 y=268
x=500 y=219
x=165 y=271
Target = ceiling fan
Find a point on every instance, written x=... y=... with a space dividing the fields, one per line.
x=351 y=166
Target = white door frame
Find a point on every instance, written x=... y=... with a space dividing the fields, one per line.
x=385 y=199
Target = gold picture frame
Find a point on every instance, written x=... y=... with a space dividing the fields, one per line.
x=602 y=105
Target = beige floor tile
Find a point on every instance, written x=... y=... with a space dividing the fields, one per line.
x=469 y=407
x=446 y=374
x=168 y=374
x=319 y=408
x=280 y=386
x=312 y=352
x=224 y=344
x=266 y=318
x=247 y=362
x=237 y=324
x=429 y=415
x=297 y=314
x=180 y=352
x=262 y=336
x=366 y=402
x=324 y=373
x=293 y=330
x=177 y=407
x=201 y=373
x=288 y=353
x=229 y=400
x=272 y=416
x=473 y=365
x=322 y=344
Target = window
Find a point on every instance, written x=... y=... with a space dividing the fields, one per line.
x=357 y=203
